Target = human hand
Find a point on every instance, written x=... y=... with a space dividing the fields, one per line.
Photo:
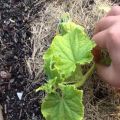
x=107 y=35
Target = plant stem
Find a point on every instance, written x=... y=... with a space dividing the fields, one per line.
x=86 y=76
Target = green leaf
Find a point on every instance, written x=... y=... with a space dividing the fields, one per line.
x=66 y=27
x=65 y=18
x=65 y=106
x=48 y=87
x=106 y=60
x=67 y=51
x=49 y=68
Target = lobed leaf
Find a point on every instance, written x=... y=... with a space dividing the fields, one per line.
x=66 y=52
x=66 y=27
x=48 y=87
x=65 y=106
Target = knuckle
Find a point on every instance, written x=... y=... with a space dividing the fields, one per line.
x=113 y=34
x=101 y=20
x=114 y=29
x=107 y=20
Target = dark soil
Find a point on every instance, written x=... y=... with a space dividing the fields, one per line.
x=15 y=48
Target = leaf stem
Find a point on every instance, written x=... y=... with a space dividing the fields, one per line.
x=86 y=76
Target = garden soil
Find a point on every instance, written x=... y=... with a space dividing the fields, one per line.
x=27 y=28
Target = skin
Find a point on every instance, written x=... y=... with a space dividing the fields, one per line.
x=107 y=35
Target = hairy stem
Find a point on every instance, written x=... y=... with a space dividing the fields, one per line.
x=86 y=76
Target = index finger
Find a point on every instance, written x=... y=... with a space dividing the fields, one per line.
x=100 y=38
x=114 y=11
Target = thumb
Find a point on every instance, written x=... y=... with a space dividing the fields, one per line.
x=108 y=74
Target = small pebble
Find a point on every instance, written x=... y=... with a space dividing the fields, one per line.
x=5 y=75
x=20 y=94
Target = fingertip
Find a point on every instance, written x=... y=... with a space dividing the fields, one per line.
x=104 y=72
x=101 y=70
x=108 y=75
x=100 y=38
